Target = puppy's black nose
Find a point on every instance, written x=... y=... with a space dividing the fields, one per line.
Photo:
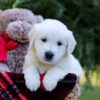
x=49 y=55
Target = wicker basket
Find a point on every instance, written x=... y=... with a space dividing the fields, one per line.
x=74 y=94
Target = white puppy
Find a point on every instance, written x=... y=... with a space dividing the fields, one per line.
x=51 y=45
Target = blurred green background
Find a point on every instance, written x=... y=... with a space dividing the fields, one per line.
x=83 y=18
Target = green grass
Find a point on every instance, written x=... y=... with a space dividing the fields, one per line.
x=90 y=94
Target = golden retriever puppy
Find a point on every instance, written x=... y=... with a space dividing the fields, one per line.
x=50 y=52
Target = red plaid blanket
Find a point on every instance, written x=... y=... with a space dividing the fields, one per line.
x=12 y=87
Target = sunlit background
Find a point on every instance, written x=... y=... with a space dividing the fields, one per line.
x=83 y=18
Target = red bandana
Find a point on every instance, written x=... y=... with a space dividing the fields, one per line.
x=6 y=44
x=41 y=80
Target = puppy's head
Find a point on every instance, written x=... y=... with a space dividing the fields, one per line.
x=51 y=40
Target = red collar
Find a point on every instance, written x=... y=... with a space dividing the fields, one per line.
x=6 y=44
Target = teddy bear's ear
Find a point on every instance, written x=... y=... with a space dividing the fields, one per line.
x=39 y=18
x=71 y=43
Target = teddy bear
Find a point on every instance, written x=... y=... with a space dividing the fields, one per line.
x=15 y=25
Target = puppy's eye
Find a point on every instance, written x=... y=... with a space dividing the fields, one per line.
x=59 y=43
x=44 y=40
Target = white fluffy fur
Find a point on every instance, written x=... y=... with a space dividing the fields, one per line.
x=63 y=61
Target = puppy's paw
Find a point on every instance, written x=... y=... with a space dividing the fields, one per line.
x=49 y=83
x=32 y=84
x=32 y=81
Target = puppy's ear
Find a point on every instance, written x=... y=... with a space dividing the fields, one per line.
x=32 y=36
x=71 y=42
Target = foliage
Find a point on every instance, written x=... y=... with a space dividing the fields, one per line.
x=5 y=4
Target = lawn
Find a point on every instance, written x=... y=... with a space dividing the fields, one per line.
x=90 y=94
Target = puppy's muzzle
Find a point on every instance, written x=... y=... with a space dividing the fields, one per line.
x=49 y=56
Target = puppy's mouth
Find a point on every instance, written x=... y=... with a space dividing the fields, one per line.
x=41 y=63
x=47 y=61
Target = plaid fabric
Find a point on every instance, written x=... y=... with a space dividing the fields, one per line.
x=12 y=87
x=9 y=90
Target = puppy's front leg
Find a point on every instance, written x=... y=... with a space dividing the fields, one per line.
x=31 y=75
x=52 y=77
x=32 y=79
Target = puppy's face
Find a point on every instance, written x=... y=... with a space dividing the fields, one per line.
x=50 y=41
x=50 y=47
